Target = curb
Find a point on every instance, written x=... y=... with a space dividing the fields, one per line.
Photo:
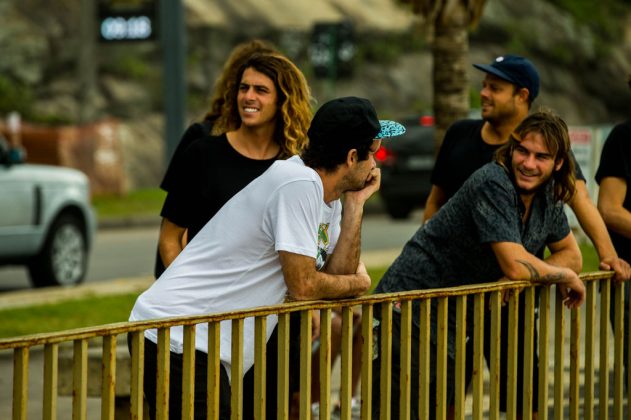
x=50 y=295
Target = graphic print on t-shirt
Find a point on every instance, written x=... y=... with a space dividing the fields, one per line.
x=323 y=245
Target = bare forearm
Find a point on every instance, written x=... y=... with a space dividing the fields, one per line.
x=327 y=286
x=618 y=220
x=345 y=257
x=170 y=242
x=592 y=222
x=568 y=259
x=435 y=201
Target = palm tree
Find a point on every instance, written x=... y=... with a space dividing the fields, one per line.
x=448 y=23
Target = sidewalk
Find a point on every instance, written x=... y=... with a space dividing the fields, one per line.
x=30 y=297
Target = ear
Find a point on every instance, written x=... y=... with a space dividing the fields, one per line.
x=351 y=157
x=558 y=164
x=523 y=95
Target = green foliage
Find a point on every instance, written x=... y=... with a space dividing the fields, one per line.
x=141 y=202
x=14 y=96
x=386 y=48
x=601 y=16
x=132 y=66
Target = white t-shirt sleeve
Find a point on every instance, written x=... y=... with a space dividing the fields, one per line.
x=293 y=215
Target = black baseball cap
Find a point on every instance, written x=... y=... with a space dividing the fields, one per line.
x=350 y=120
x=514 y=69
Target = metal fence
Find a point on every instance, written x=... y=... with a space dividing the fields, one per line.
x=578 y=377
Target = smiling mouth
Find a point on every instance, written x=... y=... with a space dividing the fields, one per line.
x=250 y=109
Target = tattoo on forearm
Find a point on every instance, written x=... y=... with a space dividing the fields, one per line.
x=535 y=277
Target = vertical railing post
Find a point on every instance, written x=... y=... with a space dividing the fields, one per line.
x=544 y=354
x=236 y=370
x=188 y=373
x=163 y=376
x=305 y=364
x=108 y=378
x=385 y=355
x=282 y=405
x=137 y=375
x=496 y=355
x=461 y=350
x=559 y=355
x=441 y=357
x=528 y=349
x=405 y=360
x=512 y=350
x=20 y=382
x=214 y=370
x=575 y=338
x=80 y=379
x=51 y=370
x=618 y=362
x=478 y=355
x=590 y=334
x=367 y=356
x=260 y=367
x=424 y=358
x=603 y=374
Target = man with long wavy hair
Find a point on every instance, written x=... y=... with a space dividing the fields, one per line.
x=492 y=229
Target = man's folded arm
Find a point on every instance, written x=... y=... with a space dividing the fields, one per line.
x=304 y=282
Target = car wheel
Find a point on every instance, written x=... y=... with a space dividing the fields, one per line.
x=399 y=210
x=63 y=259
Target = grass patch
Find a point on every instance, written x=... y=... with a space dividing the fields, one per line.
x=66 y=315
x=142 y=202
x=93 y=311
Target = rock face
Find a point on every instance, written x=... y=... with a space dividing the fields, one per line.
x=581 y=79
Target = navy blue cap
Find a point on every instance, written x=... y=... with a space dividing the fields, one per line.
x=514 y=69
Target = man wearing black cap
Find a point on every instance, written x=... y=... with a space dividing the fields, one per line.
x=283 y=234
x=509 y=88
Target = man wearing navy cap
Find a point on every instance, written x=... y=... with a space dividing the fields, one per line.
x=283 y=234
x=510 y=86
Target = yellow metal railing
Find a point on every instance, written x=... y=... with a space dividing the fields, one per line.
x=572 y=362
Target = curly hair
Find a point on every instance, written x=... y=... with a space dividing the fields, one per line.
x=556 y=138
x=294 y=101
x=237 y=57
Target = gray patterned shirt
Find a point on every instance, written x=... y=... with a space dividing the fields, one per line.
x=454 y=247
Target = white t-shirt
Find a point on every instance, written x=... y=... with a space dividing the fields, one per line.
x=233 y=262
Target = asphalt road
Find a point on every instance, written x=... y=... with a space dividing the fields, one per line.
x=130 y=252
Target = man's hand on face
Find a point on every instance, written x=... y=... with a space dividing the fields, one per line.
x=373 y=182
x=620 y=266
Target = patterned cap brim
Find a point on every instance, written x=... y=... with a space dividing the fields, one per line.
x=389 y=129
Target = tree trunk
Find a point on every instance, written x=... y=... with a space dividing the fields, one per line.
x=451 y=56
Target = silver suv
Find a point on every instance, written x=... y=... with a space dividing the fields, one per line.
x=46 y=220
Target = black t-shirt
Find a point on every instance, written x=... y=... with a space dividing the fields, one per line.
x=211 y=173
x=193 y=132
x=615 y=161
x=462 y=153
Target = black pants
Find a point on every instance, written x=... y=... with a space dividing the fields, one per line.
x=504 y=356
x=201 y=368
x=395 y=368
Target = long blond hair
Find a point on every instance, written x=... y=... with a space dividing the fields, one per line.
x=294 y=102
